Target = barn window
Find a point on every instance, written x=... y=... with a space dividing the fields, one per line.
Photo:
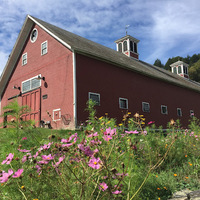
x=145 y=107
x=164 y=110
x=34 y=35
x=120 y=47
x=179 y=112
x=135 y=47
x=185 y=70
x=123 y=103
x=24 y=59
x=175 y=70
x=125 y=45
x=95 y=97
x=57 y=114
x=179 y=69
x=31 y=84
x=131 y=45
x=44 y=47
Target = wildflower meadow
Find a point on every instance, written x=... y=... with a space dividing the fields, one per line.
x=102 y=160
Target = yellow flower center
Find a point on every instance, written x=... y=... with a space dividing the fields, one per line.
x=95 y=162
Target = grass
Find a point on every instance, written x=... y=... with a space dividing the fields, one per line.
x=102 y=161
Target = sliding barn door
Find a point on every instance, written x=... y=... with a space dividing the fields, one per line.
x=32 y=100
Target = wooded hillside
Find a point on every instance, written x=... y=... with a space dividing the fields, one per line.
x=193 y=61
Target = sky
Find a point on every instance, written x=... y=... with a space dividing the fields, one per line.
x=165 y=28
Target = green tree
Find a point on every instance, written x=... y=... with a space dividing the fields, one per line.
x=158 y=63
x=194 y=71
x=187 y=59
x=194 y=59
x=172 y=60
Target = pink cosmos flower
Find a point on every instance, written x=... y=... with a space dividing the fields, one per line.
x=24 y=150
x=107 y=137
x=93 y=135
x=43 y=162
x=117 y=192
x=24 y=159
x=8 y=159
x=81 y=147
x=59 y=161
x=18 y=173
x=67 y=145
x=68 y=141
x=95 y=163
x=103 y=186
x=39 y=169
x=110 y=131
x=96 y=150
x=87 y=151
x=46 y=146
x=75 y=136
x=24 y=138
x=49 y=157
x=36 y=155
x=5 y=176
x=95 y=142
x=132 y=132
x=145 y=132
x=151 y=122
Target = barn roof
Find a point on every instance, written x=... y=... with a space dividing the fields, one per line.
x=87 y=47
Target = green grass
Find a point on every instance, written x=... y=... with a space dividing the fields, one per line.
x=182 y=160
x=138 y=165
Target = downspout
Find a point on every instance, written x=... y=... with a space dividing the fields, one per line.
x=74 y=90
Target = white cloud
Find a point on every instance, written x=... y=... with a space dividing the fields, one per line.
x=3 y=60
x=165 y=28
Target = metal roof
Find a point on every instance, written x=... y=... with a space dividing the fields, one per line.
x=87 y=47
x=179 y=63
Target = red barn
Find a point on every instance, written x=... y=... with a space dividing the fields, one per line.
x=55 y=72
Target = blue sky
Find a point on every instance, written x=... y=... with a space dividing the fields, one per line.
x=165 y=28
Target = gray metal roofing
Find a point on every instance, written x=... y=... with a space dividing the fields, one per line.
x=89 y=48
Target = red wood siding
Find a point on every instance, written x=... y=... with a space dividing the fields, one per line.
x=33 y=100
x=112 y=82
x=56 y=66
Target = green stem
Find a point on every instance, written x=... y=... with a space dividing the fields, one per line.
x=152 y=168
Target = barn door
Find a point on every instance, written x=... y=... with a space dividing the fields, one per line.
x=32 y=100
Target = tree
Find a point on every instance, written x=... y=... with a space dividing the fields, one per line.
x=172 y=60
x=194 y=71
x=158 y=63
x=194 y=59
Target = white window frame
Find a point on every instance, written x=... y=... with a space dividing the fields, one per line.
x=24 y=58
x=59 y=114
x=123 y=100
x=97 y=103
x=163 y=106
x=31 y=88
x=179 y=110
x=42 y=49
x=175 y=68
x=143 y=106
x=36 y=35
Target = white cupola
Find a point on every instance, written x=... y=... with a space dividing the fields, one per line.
x=180 y=68
x=128 y=46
